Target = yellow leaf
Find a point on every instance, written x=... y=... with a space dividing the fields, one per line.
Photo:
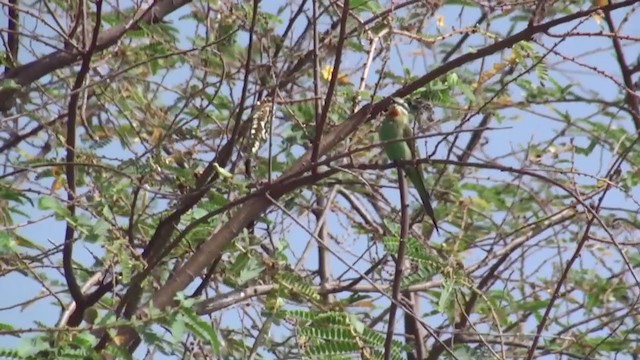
x=119 y=339
x=364 y=303
x=56 y=171
x=57 y=185
x=175 y=158
x=440 y=21
x=156 y=136
x=343 y=79
x=503 y=101
x=326 y=72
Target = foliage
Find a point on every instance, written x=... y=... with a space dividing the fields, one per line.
x=205 y=180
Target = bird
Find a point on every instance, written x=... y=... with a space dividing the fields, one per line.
x=395 y=126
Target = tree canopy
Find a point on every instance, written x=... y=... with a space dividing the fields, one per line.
x=204 y=179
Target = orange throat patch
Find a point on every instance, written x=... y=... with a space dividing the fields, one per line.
x=394 y=111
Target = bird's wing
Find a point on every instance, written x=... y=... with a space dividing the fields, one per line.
x=407 y=134
x=415 y=175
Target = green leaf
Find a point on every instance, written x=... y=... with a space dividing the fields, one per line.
x=468 y=92
x=11 y=354
x=533 y=306
x=9 y=84
x=202 y=329
x=7 y=243
x=250 y=271
x=365 y=5
x=589 y=149
x=221 y=171
x=358 y=325
x=98 y=231
x=27 y=244
x=178 y=329
x=445 y=296
x=50 y=203
x=10 y=194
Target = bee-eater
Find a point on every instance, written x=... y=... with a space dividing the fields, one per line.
x=395 y=126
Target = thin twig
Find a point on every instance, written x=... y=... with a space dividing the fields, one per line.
x=397 y=277
x=335 y=73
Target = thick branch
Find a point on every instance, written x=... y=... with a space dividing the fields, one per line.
x=212 y=248
x=28 y=73
x=67 y=251
x=12 y=44
x=630 y=97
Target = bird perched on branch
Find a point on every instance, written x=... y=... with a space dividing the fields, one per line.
x=400 y=145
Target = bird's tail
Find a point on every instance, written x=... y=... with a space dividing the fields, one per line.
x=418 y=182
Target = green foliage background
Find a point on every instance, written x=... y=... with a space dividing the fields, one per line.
x=199 y=227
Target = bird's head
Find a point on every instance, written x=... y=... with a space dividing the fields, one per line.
x=398 y=109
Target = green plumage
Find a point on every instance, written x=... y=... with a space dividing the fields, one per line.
x=395 y=126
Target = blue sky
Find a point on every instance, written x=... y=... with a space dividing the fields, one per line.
x=525 y=129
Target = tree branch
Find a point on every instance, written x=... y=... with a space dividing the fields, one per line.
x=28 y=73
x=67 y=251
x=214 y=245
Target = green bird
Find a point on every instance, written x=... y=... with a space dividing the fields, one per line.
x=395 y=126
